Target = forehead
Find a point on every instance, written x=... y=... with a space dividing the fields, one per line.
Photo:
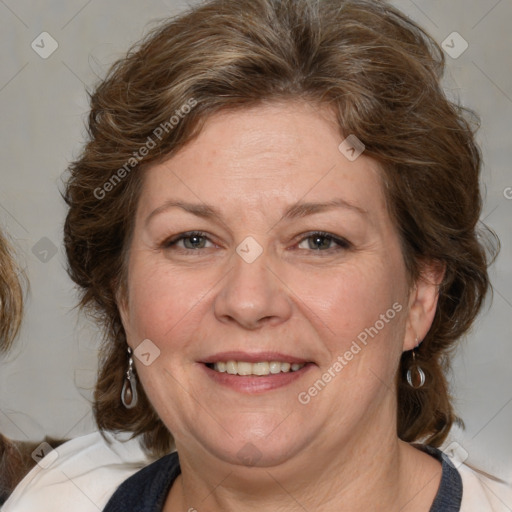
x=266 y=156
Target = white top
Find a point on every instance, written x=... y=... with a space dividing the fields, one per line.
x=483 y=494
x=82 y=474
x=78 y=476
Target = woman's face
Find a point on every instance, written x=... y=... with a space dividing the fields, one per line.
x=262 y=243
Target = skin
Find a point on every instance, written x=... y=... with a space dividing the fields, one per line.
x=196 y=298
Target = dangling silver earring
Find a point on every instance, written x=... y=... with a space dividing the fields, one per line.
x=420 y=374
x=129 y=395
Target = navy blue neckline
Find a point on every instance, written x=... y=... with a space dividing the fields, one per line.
x=449 y=494
x=147 y=490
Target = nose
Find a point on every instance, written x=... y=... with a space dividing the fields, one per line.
x=252 y=295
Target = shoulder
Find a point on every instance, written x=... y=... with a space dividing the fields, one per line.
x=148 y=488
x=79 y=475
x=486 y=483
x=465 y=488
x=483 y=492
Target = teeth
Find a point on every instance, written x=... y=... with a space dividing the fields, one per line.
x=260 y=368
x=275 y=367
x=244 y=368
x=231 y=367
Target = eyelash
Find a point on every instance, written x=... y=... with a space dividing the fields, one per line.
x=341 y=243
x=171 y=242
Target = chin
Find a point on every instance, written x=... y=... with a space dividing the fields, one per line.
x=256 y=447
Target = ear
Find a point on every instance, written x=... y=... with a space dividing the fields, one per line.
x=121 y=298
x=423 y=303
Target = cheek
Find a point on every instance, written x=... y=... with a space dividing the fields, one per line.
x=160 y=299
x=351 y=298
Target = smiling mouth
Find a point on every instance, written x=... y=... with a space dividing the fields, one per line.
x=259 y=369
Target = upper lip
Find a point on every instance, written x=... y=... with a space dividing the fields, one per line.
x=254 y=357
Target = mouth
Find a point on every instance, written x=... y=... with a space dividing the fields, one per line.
x=255 y=373
x=259 y=368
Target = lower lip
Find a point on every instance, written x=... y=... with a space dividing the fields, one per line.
x=255 y=384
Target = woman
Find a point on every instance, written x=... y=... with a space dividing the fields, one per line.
x=275 y=217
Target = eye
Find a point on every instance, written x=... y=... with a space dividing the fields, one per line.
x=188 y=241
x=323 y=242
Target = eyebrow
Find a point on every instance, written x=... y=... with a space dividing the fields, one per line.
x=199 y=210
x=298 y=210
x=302 y=209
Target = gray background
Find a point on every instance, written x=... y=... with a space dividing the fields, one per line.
x=45 y=383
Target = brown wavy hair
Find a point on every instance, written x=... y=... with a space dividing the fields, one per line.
x=377 y=70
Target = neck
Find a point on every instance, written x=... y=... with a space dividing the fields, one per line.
x=366 y=472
